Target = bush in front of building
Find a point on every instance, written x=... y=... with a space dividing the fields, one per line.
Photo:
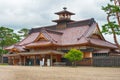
x=74 y=55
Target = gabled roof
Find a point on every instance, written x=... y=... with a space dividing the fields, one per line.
x=76 y=33
x=21 y=45
x=30 y=38
x=51 y=38
x=94 y=30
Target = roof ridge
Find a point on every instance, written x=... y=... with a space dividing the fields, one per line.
x=54 y=31
x=43 y=26
x=82 y=20
x=39 y=28
x=88 y=22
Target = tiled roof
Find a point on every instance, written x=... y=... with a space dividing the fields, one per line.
x=9 y=47
x=55 y=37
x=99 y=42
x=33 y=30
x=76 y=33
x=40 y=43
x=73 y=35
x=34 y=53
x=29 y=38
x=88 y=22
x=18 y=47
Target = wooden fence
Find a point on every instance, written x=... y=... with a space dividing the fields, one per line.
x=85 y=62
x=107 y=61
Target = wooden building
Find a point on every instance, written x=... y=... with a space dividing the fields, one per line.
x=52 y=42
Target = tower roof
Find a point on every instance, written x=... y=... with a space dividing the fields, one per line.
x=64 y=11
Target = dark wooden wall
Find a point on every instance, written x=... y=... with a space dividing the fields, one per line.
x=106 y=61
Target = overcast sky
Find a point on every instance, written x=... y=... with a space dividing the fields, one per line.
x=18 y=14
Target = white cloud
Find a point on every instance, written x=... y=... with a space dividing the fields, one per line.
x=29 y=13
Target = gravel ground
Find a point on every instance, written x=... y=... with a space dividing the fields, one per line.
x=58 y=73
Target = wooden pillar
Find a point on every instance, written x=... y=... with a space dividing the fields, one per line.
x=13 y=60
x=24 y=60
x=2 y=59
x=20 y=60
x=35 y=60
x=9 y=60
x=39 y=57
x=51 y=57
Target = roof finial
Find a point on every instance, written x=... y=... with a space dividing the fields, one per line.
x=64 y=8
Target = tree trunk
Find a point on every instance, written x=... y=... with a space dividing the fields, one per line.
x=2 y=47
x=1 y=59
x=75 y=63
x=114 y=34
x=117 y=14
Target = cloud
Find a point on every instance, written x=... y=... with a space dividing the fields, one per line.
x=18 y=14
x=23 y=13
x=32 y=13
x=29 y=13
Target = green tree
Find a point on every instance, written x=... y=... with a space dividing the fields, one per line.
x=74 y=55
x=7 y=37
x=113 y=20
x=24 y=32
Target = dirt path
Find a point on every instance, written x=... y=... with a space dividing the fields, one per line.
x=58 y=73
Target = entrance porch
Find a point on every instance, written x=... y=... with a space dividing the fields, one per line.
x=34 y=58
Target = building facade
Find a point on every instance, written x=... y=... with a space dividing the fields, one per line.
x=52 y=42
